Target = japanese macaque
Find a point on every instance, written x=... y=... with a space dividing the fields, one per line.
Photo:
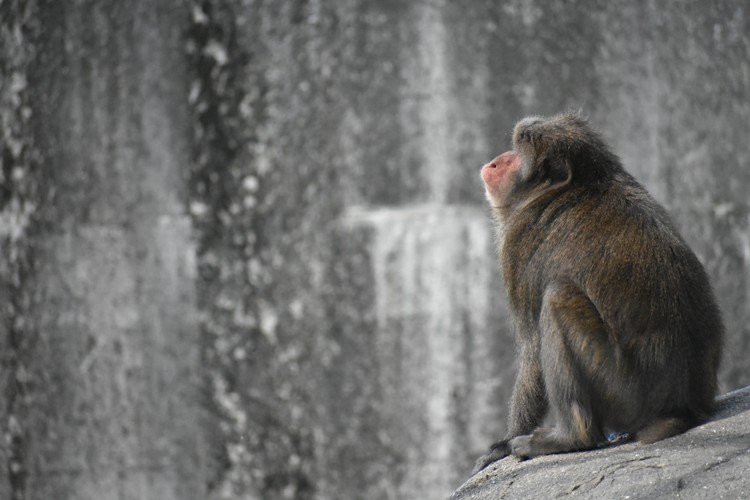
x=617 y=325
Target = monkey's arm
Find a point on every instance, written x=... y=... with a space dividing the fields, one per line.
x=528 y=405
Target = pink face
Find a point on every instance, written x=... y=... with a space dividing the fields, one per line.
x=498 y=177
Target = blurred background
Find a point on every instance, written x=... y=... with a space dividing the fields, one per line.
x=244 y=250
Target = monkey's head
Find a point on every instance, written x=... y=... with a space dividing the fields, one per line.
x=549 y=155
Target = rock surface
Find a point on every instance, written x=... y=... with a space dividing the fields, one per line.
x=709 y=461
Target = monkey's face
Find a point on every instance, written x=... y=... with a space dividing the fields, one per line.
x=541 y=162
x=500 y=176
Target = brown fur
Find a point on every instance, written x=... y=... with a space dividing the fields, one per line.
x=617 y=324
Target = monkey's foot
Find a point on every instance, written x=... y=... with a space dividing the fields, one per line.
x=540 y=442
x=521 y=447
x=498 y=451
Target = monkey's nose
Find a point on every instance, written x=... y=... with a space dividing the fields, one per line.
x=491 y=164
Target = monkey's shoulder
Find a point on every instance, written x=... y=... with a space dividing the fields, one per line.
x=599 y=235
x=622 y=210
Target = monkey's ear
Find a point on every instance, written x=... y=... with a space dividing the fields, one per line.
x=556 y=172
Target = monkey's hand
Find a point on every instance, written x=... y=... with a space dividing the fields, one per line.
x=498 y=450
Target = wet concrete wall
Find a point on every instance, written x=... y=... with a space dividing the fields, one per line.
x=353 y=328
x=373 y=119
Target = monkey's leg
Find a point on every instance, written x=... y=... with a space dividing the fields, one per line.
x=576 y=355
x=528 y=404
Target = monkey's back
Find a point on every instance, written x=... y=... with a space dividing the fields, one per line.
x=617 y=245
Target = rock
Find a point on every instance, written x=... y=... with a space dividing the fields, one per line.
x=709 y=461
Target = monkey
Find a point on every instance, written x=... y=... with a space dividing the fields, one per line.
x=617 y=326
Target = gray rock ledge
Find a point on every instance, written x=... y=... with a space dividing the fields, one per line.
x=709 y=461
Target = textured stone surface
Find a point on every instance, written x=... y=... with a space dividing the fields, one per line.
x=104 y=354
x=363 y=358
x=709 y=461
x=345 y=356
x=431 y=340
